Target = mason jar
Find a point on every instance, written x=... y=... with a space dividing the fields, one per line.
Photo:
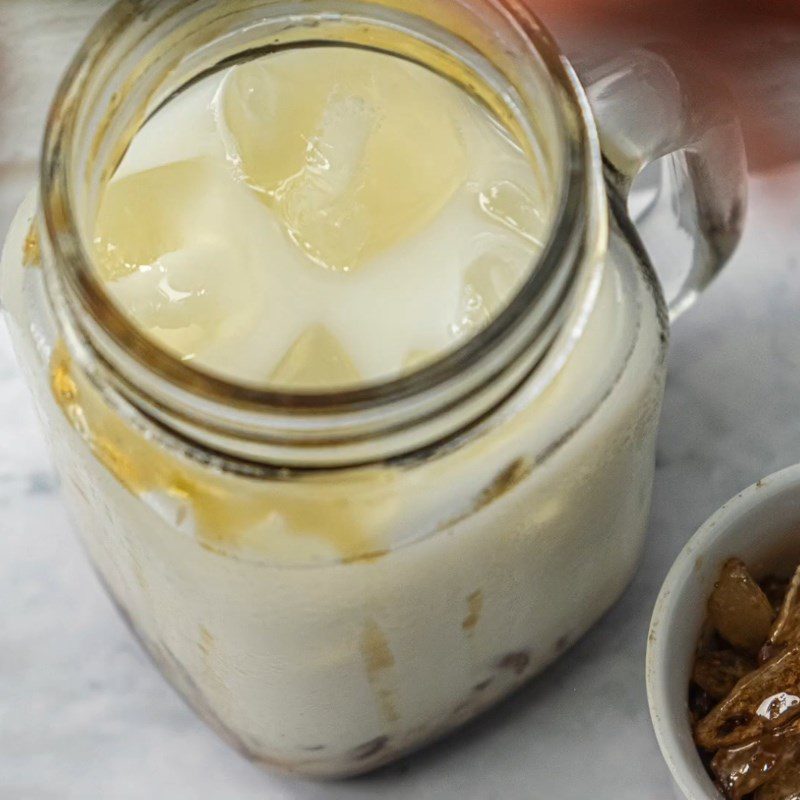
x=332 y=579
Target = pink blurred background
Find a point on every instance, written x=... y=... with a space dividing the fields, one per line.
x=753 y=46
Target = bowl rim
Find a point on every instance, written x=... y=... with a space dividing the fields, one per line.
x=716 y=528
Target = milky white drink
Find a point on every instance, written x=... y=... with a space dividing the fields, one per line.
x=319 y=219
x=360 y=213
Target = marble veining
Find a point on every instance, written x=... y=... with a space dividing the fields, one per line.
x=83 y=714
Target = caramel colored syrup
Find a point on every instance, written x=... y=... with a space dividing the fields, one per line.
x=474 y=609
x=31 y=251
x=229 y=512
x=378 y=661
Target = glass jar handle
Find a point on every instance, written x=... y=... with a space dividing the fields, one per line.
x=649 y=110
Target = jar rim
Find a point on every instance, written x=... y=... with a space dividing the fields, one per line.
x=575 y=242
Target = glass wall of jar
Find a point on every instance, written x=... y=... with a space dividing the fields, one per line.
x=333 y=579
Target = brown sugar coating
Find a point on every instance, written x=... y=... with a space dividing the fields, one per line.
x=785 y=784
x=787 y=625
x=745 y=768
x=717 y=673
x=739 y=609
x=748 y=663
x=758 y=704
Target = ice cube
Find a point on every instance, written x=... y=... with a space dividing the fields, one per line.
x=320 y=205
x=353 y=153
x=515 y=207
x=262 y=114
x=179 y=289
x=148 y=214
x=489 y=283
x=417 y=359
x=181 y=250
x=316 y=359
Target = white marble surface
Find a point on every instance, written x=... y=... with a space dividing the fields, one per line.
x=83 y=714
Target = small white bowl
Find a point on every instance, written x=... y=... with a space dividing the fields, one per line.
x=762 y=527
